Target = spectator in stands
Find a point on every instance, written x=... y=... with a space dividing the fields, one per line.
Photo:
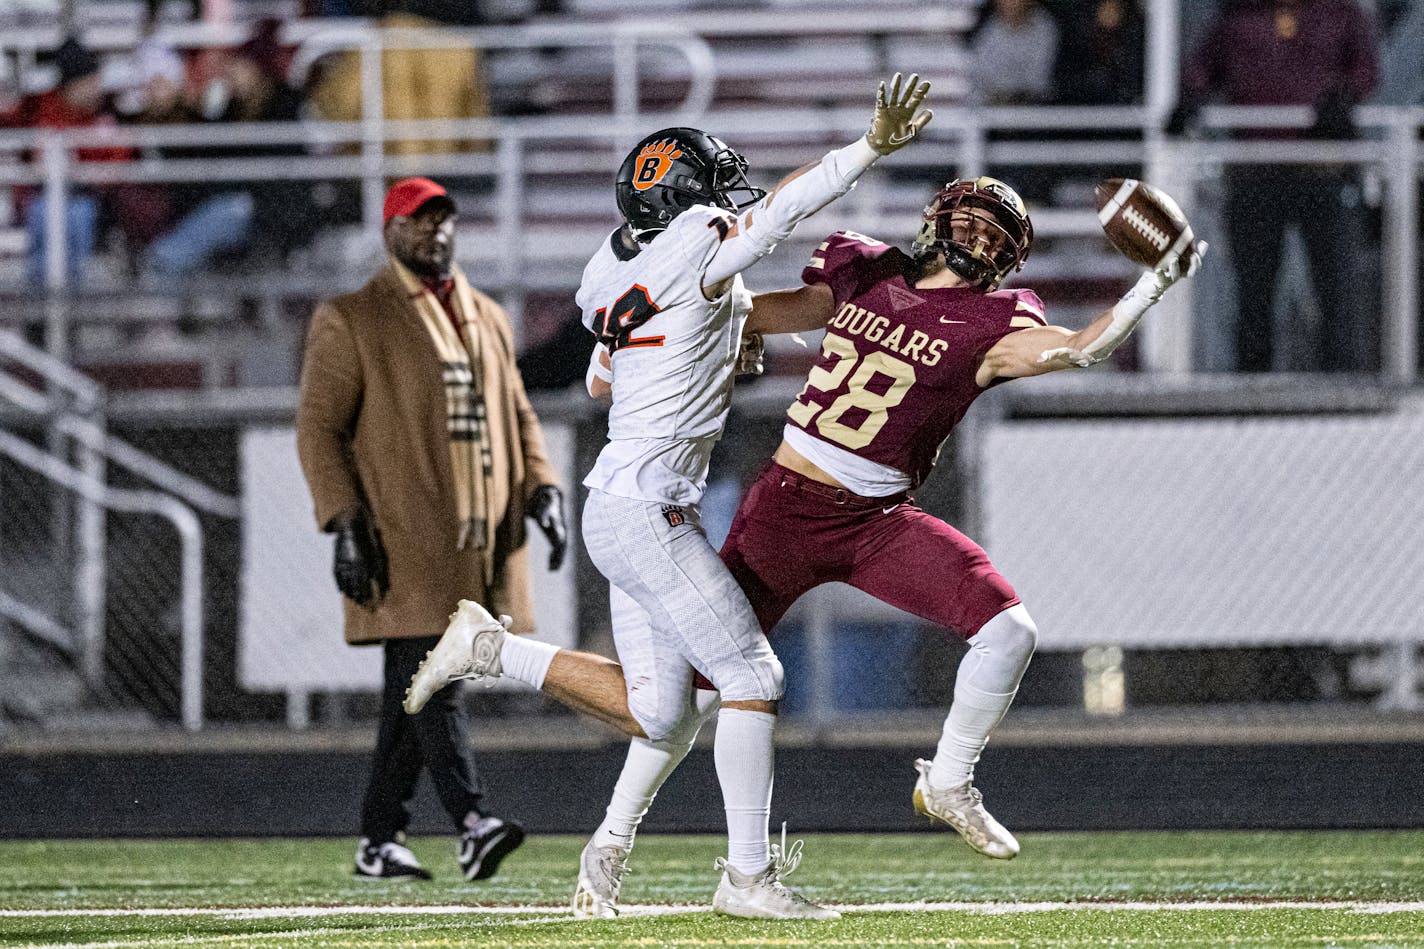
x=273 y=214
x=76 y=101
x=1319 y=53
x=1100 y=57
x=423 y=457
x=441 y=81
x=159 y=79
x=1014 y=51
x=157 y=95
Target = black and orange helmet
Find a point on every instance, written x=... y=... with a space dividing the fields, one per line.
x=673 y=169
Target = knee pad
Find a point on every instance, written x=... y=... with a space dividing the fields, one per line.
x=707 y=702
x=759 y=679
x=704 y=706
x=775 y=676
x=664 y=721
x=1008 y=640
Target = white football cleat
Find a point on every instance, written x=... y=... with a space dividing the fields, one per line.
x=601 y=872
x=469 y=649
x=763 y=895
x=962 y=807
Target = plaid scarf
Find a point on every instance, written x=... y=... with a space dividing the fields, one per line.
x=456 y=334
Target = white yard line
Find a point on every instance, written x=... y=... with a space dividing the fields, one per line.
x=1373 y=907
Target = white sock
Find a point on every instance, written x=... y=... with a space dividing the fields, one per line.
x=985 y=686
x=971 y=717
x=744 y=756
x=648 y=765
x=526 y=660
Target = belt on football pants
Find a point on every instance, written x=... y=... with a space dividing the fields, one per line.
x=836 y=494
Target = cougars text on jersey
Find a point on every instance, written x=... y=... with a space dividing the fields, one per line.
x=897 y=365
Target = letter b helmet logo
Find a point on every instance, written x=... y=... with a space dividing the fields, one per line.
x=654 y=162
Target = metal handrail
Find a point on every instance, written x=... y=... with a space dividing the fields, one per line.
x=190 y=536
x=1388 y=148
x=37 y=623
x=96 y=438
x=87 y=393
x=954 y=121
x=970 y=128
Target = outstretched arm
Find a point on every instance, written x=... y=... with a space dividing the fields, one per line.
x=791 y=311
x=1033 y=352
x=780 y=311
x=897 y=121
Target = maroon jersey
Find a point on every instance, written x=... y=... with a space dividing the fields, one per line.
x=897 y=364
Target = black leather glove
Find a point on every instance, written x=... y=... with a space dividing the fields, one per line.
x=546 y=507
x=362 y=572
x=1183 y=119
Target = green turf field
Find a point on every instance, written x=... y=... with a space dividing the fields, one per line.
x=1065 y=890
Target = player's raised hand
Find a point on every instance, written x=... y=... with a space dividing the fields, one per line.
x=1183 y=265
x=1188 y=263
x=897 y=121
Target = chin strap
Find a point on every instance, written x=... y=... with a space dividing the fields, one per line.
x=1128 y=312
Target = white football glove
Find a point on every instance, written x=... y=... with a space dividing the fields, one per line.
x=750 y=358
x=1184 y=264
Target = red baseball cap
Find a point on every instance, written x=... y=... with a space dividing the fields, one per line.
x=408 y=196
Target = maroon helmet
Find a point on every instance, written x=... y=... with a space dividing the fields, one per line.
x=982 y=228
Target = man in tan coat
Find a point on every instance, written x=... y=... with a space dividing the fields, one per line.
x=423 y=457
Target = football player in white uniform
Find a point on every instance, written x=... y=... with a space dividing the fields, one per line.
x=665 y=298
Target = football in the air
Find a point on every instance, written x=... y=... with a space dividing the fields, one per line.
x=1142 y=222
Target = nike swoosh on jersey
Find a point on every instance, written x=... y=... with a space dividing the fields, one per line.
x=943 y=320
x=889 y=509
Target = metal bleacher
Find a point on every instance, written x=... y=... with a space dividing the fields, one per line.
x=738 y=69
x=782 y=80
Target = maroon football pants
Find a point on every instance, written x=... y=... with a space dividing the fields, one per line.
x=791 y=534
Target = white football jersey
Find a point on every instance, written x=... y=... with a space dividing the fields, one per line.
x=674 y=356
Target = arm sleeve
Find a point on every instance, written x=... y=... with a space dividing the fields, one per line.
x=772 y=219
x=329 y=402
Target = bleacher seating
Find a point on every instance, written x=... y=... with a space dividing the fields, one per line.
x=185 y=334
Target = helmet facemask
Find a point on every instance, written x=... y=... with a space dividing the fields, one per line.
x=731 y=190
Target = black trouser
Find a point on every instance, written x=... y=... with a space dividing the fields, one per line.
x=1325 y=205
x=435 y=738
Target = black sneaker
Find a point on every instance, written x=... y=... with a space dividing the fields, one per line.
x=483 y=846
x=387 y=861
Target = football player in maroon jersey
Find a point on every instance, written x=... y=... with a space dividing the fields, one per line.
x=911 y=341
